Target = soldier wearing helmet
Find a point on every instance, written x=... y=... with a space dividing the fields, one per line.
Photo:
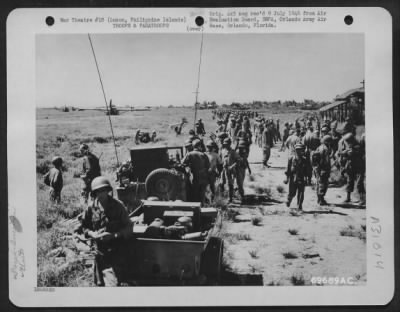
x=198 y=164
x=229 y=161
x=107 y=222
x=188 y=146
x=267 y=143
x=311 y=142
x=296 y=175
x=292 y=140
x=54 y=179
x=90 y=170
x=322 y=167
x=243 y=164
x=286 y=131
x=352 y=161
x=215 y=165
x=200 y=130
x=244 y=135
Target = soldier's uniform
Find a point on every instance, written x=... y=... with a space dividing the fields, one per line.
x=199 y=165
x=267 y=144
x=113 y=218
x=245 y=136
x=311 y=142
x=215 y=165
x=229 y=160
x=296 y=173
x=54 y=179
x=351 y=156
x=242 y=165
x=291 y=142
x=322 y=168
x=90 y=170
x=285 y=136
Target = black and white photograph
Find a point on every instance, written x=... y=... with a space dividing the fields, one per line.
x=202 y=159
x=208 y=159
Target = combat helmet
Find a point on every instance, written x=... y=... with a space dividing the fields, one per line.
x=99 y=183
x=326 y=139
x=57 y=160
x=227 y=141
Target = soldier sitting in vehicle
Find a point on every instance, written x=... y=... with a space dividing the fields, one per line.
x=106 y=222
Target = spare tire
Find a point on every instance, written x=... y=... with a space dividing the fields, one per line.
x=162 y=183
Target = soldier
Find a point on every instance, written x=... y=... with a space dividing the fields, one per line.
x=296 y=175
x=278 y=131
x=267 y=144
x=232 y=130
x=221 y=137
x=106 y=222
x=200 y=130
x=244 y=135
x=90 y=170
x=352 y=157
x=285 y=136
x=292 y=140
x=54 y=179
x=243 y=164
x=188 y=146
x=199 y=165
x=311 y=142
x=246 y=123
x=229 y=160
x=322 y=167
x=215 y=165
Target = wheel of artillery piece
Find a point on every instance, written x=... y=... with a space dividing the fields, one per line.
x=211 y=261
x=162 y=183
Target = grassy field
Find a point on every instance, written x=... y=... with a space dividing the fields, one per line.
x=61 y=133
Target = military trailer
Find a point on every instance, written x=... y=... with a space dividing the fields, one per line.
x=174 y=242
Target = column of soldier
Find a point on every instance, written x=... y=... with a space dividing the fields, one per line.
x=312 y=154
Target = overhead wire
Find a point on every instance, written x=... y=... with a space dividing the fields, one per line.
x=105 y=98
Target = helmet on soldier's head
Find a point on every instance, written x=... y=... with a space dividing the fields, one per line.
x=299 y=146
x=348 y=137
x=57 y=160
x=188 y=142
x=222 y=135
x=242 y=144
x=227 y=141
x=191 y=132
x=211 y=143
x=196 y=143
x=291 y=131
x=83 y=147
x=324 y=129
x=286 y=124
x=100 y=183
x=326 y=139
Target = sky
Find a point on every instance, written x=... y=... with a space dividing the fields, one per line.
x=162 y=69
